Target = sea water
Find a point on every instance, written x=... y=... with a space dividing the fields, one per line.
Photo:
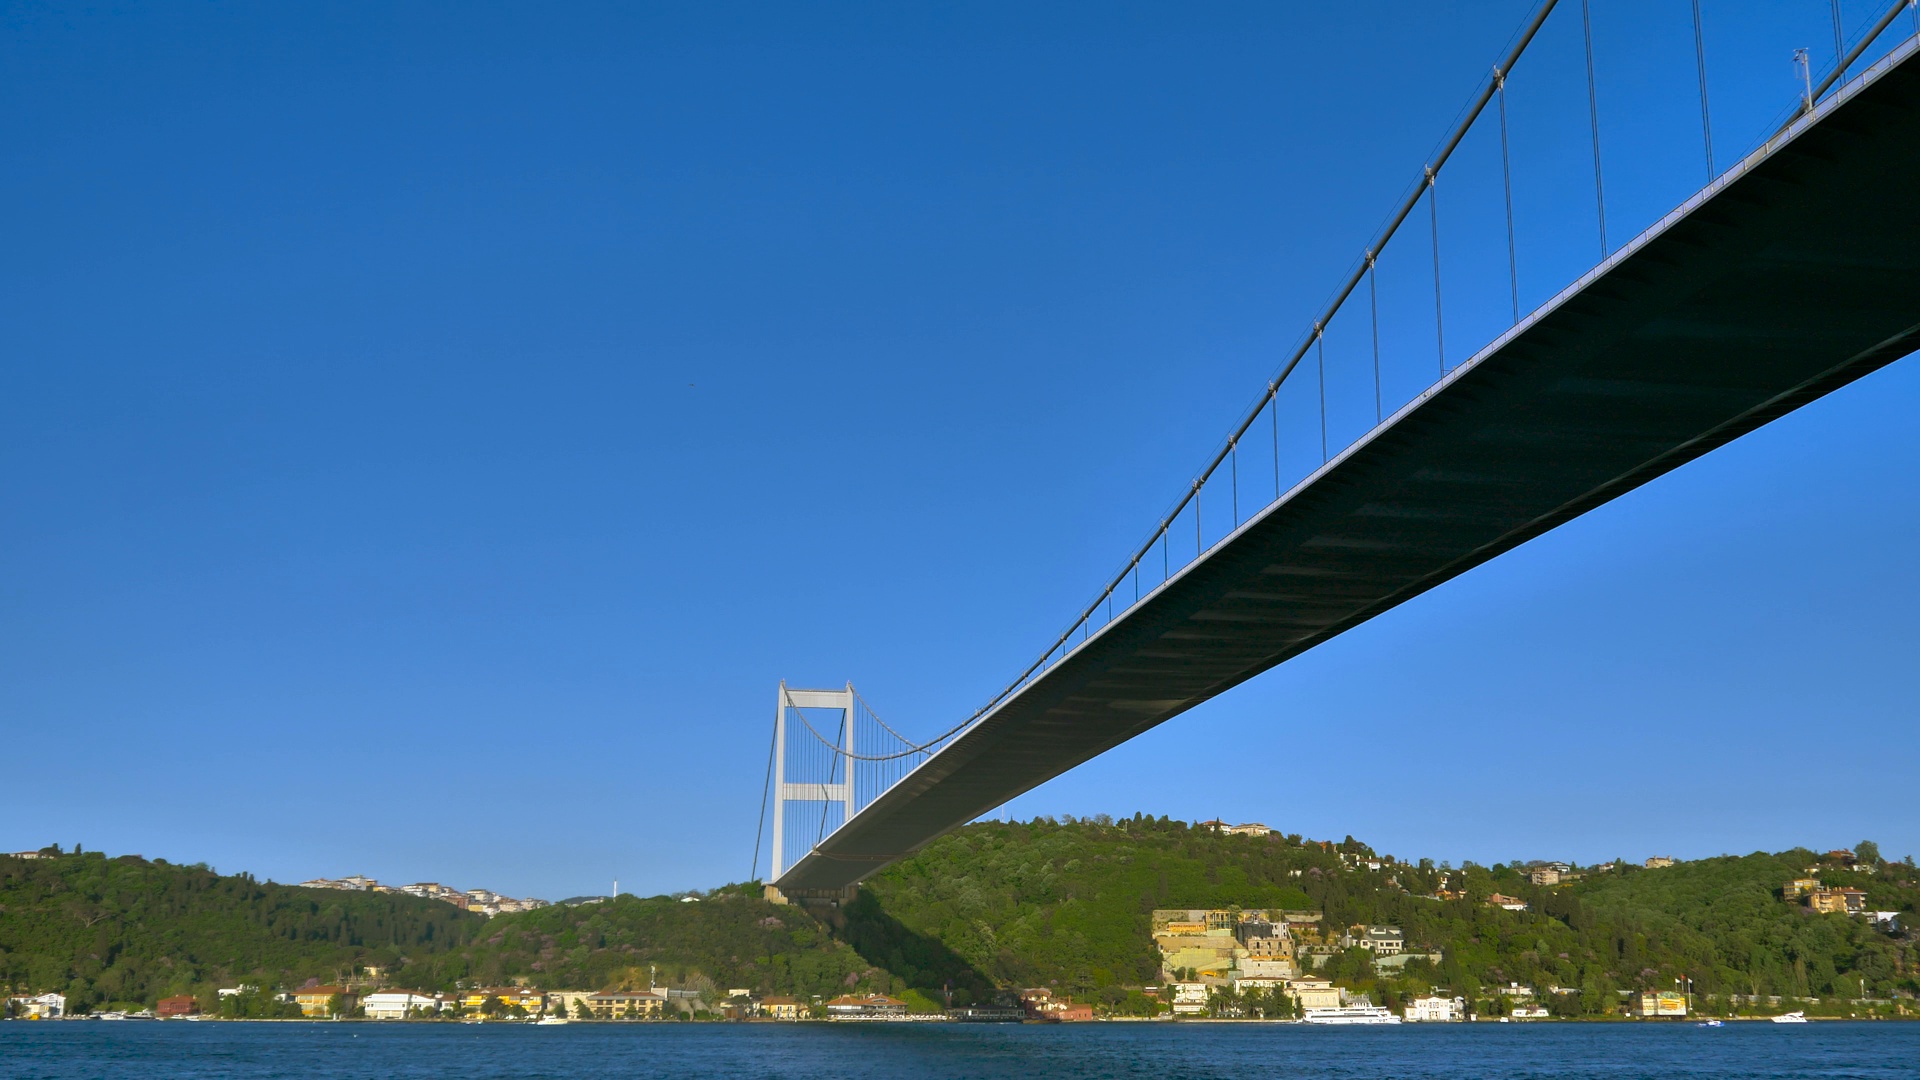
x=1578 y=1051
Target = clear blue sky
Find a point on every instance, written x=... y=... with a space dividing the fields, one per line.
x=427 y=433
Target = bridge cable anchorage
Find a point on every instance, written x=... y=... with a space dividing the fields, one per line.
x=1439 y=322
x=1373 y=302
x=1593 y=121
x=1407 y=206
x=1700 y=64
x=1506 y=176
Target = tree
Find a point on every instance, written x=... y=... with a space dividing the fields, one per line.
x=580 y=1010
x=1867 y=852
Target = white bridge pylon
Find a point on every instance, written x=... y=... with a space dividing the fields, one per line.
x=807 y=773
x=831 y=756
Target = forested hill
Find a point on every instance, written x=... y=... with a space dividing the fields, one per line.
x=731 y=938
x=1069 y=904
x=128 y=931
x=988 y=907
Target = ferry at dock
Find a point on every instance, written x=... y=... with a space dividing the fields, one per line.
x=1362 y=1013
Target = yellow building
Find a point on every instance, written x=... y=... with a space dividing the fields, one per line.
x=1659 y=1003
x=782 y=1008
x=315 y=1000
x=1799 y=887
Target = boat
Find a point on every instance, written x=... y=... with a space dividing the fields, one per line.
x=547 y=1021
x=1794 y=1017
x=1362 y=1013
x=1712 y=1023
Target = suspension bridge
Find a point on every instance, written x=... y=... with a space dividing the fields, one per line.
x=1793 y=272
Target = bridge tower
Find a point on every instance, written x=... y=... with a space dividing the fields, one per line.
x=809 y=771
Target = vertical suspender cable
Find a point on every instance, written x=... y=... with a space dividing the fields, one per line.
x=1700 y=62
x=1506 y=175
x=1273 y=413
x=1373 y=303
x=1839 y=40
x=1433 y=213
x=1320 y=341
x=764 y=789
x=1593 y=120
x=1234 y=466
x=1196 y=519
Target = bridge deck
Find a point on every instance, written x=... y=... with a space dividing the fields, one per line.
x=1793 y=275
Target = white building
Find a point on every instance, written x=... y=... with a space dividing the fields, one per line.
x=397 y=1004
x=1256 y=967
x=1242 y=983
x=1437 y=1010
x=1189 y=998
x=39 y=1006
x=1382 y=940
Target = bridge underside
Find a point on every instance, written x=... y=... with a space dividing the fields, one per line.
x=1791 y=277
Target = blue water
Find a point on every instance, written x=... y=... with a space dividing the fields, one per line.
x=924 y=1052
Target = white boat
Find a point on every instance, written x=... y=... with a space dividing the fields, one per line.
x=1350 y=1014
x=547 y=1021
x=1712 y=1023
x=1795 y=1017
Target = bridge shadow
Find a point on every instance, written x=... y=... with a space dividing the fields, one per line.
x=914 y=959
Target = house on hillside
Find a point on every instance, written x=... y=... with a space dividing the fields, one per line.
x=1511 y=903
x=1248 y=828
x=1659 y=862
x=1799 y=887
x=1842 y=901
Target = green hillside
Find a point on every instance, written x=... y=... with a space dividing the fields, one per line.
x=130 y=931
x=731 y=938
x=1069 y=905
x=989 y=907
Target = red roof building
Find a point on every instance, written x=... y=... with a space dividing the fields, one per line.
x=184 y=1005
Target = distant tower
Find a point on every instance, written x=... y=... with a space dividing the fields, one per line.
x=807 y=771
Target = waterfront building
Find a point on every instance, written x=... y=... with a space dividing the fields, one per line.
x=870 y=1007
x=1189 y=998
x=1659 y=1003
x=782 y=1008
x=626 y=1005
x=39 y=1006
x=315 y=1000
x=1313 y=993
x=397 y=1004
x=1436 y=1010
x=182 y=1005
